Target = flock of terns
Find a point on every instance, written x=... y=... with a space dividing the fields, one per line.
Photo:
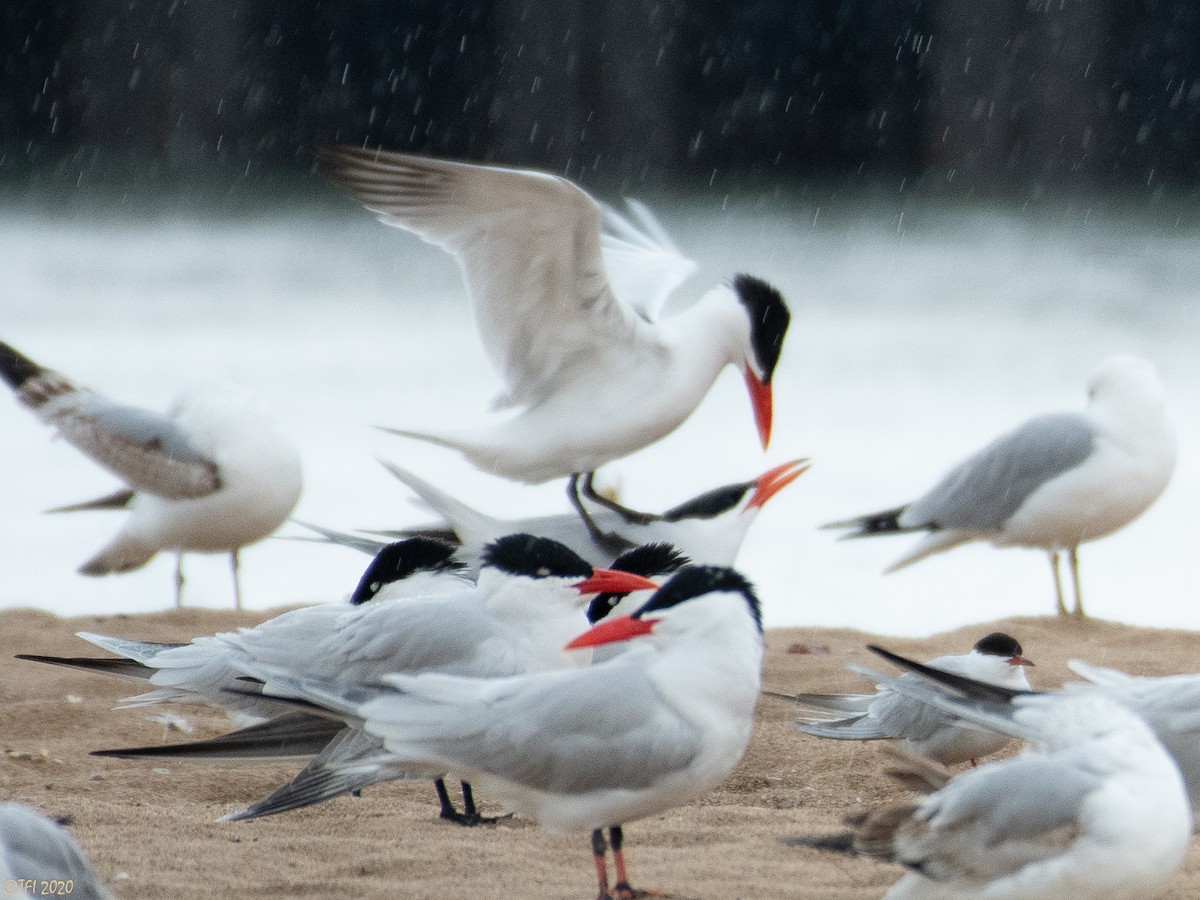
x=595 y=667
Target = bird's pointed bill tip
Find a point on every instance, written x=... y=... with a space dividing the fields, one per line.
x=609 y=631
x=614 y=581
x=775 y=480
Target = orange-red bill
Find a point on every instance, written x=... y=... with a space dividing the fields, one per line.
x=1019 y=661
x=760 y=400
x=609 y=631
x=614 y=581
x=771 y=483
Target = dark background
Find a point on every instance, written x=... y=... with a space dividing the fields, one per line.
x=979 y=96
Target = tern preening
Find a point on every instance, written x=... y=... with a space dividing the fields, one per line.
x=1053 y=483
x=588 y=748
x=1095 y=808
x=212 y=475
x=709 y=528
x=568 y=314
x=917 y=727
x=1169 y=704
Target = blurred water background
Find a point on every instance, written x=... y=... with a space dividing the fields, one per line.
x=921 y=330
x=968 y=204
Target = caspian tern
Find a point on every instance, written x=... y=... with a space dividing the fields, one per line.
x=211 y=476
x=568 y=316
x=709 y=528
x=917 y=727
x=36 y=856
x=529 y=602
x=1169 y=704
x=1095 y=808
x=346 y=750
x=1053 y=483
x=587 y=748
x=414 y=567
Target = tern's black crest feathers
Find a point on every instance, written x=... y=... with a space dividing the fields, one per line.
x=648 y=560
x=15 y=367
x=769 y=318
x=999 y=644
x=710 y=504
x=696 y=581
x=401 y=559
x=536 y=557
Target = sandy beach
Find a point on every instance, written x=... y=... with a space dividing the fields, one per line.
x=152 y=831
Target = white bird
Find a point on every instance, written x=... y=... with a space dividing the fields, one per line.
x=709 y=528
x=1053 y=483
x=1169 y=704
x=568 y=317
x=1095 y=808
x=211 y=476
x=37 y=857
x=917 y=727
x=347 y=760
x=530 y=600
x=587 y=748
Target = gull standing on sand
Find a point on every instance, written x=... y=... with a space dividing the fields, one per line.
x=212 y=475
x=917 y=727
x=569 y=315
x=1053 y=483
x=1095 y=809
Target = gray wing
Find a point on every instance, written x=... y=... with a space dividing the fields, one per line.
x=38 y=850
x=529 y=247
x=991 y=822
x=146 y=449
x=568 y=732
x=981 y=493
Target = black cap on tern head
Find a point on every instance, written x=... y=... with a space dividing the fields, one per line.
x=695 y=581
x=769 y=318
x=649 y=561
x=535 y=557
x=998 y=644
x=710 y=504
x=401 y=559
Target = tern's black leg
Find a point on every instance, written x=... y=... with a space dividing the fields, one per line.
x=600 y=856
x=632 y=516
x=611 y=543
x=470 y=816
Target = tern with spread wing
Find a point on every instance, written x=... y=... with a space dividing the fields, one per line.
x=569 y=314
x=1095 y=808
x=210 y=476
x=1053 y=483
x=917 y=727
x=589 y=748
